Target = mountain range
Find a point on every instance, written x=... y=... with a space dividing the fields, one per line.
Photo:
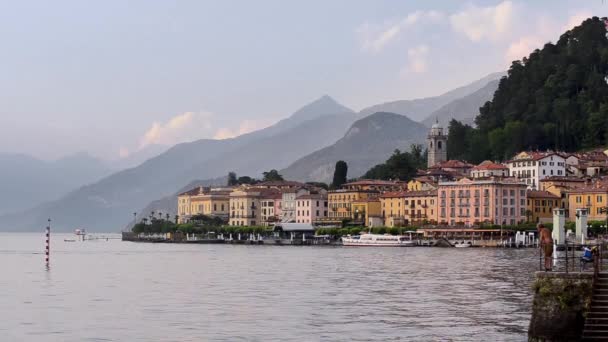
x=368 y=142
x=27 y=181
x=305 y=146
x=107 y=204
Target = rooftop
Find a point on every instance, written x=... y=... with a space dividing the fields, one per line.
x=490 y=165
x=541 y=194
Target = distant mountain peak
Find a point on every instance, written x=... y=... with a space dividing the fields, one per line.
x=324 y=105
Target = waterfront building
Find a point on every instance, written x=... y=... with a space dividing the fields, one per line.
x=532 y=167
x=392 y=204
x=203 y=201
x=473 y=201
x=591 y=163
x=271 y=207
x=245 y=206
x=593 y=197
x=185 y=207
x=540 y=205
x=341 y=202
x=420 y=207
x=366 y=211
x=311 y=208
x=288 y=203
x=403 y=208
x=489 y=169
x=437 y=145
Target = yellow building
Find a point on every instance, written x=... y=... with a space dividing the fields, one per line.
x=203 y=201
x=420 y=207
x=409 y=207
x=540 y=205
x=393 y=208
x=341 y=202
x=594 y=198
x=245 y=207
x=421 y=184
x=186 y=206
x=364 y=209
x=375 y=185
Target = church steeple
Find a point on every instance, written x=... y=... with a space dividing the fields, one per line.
x=437 y=143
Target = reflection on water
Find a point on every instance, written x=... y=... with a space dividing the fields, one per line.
x=120 y=291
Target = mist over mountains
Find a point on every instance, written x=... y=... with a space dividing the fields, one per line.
x=305 y=146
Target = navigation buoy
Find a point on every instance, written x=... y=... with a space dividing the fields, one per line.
x=48 y=243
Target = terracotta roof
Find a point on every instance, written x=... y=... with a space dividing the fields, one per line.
x=536 y=155
x=393 y=194
x=373 y=182
x=453 y=164
x=280 y=184
x=490 y=165
x=193 y=192
x=540 y=194
x=312 y=196
x=562 y=179
x=398 y=194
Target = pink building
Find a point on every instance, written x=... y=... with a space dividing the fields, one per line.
x=310 y=208
x=493 y=200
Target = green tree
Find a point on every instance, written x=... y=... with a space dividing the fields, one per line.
x=272 y=175
x=232 y=180
x=340 y=174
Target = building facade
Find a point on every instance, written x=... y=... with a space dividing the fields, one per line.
x=593 y=197
x=437 y=145
x=245 y=207
x=203 y=201
x=341 y=202
x=540 y=205
x=489 y=169
x=532 y=167
x=311 y=208
x=470 y=202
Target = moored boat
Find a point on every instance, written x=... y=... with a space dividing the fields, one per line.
x=462 y=244
x=378 y=240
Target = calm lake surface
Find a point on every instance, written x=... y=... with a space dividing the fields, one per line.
x=124 y=291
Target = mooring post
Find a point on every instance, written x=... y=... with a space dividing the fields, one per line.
x=48 y=243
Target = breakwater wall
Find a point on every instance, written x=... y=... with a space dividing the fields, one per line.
x=561 y=303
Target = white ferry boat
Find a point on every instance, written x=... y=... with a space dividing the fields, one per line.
x=378 y=240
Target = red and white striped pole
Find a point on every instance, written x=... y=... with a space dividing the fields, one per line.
x=48 y=243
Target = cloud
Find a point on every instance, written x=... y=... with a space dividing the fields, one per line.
x=546 y=30
x=245 y=126
x=184 y=127
x=484 y=23
x=417 y=60
x=374 y=38
x=123 y=152
x=576 y=19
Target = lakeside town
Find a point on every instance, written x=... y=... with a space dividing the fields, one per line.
x=449 y=196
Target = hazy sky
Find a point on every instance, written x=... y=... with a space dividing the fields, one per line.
x=110 y=77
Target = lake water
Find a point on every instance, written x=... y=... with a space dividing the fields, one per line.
x=123 y=291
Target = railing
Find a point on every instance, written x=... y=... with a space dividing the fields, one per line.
x=569 y=257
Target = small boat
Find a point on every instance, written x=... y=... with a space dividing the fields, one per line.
x=377 y=240
x=462 y=244
x=69 y=240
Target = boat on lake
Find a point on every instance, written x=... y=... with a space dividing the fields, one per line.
x=377 y=240
x=462 y=244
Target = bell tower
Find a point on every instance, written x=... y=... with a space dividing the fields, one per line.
x=437 y=145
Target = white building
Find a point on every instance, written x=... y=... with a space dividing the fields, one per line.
x=489 y=169
x=531 y=167
x=288 y=203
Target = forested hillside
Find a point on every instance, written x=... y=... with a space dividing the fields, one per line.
x=556 y=98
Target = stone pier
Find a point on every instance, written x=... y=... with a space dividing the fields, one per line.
x=561 y=303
